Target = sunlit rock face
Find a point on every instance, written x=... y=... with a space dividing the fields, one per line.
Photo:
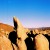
x=41 y=42
x=5 y=43
x=21 y=34
x=5 y=29
x=21 y=31
x=20 y=38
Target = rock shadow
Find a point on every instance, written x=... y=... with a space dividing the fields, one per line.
x=13 y=37
x=29 y=42
x=48 y=37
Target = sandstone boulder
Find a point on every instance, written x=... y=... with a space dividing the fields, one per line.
x=41 y=42
x=5 y=43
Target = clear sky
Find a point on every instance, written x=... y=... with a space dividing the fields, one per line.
x=31 y=13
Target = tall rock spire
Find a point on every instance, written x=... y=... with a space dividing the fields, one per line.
x=21 y=33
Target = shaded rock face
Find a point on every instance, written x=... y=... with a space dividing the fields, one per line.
x=13 y=37
x=29 y=43
x=48 y=37
x=20 y=38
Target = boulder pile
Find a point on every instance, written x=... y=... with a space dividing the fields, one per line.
x=20 y=38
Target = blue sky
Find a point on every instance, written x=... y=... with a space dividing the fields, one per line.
x=31 y=13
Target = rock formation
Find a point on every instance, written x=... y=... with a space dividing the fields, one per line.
x=20 y=38
x=5 y=43
x=41 y=42
x=21 y=34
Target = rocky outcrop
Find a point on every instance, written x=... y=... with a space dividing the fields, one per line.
x=20 y=38
x=21 y=34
